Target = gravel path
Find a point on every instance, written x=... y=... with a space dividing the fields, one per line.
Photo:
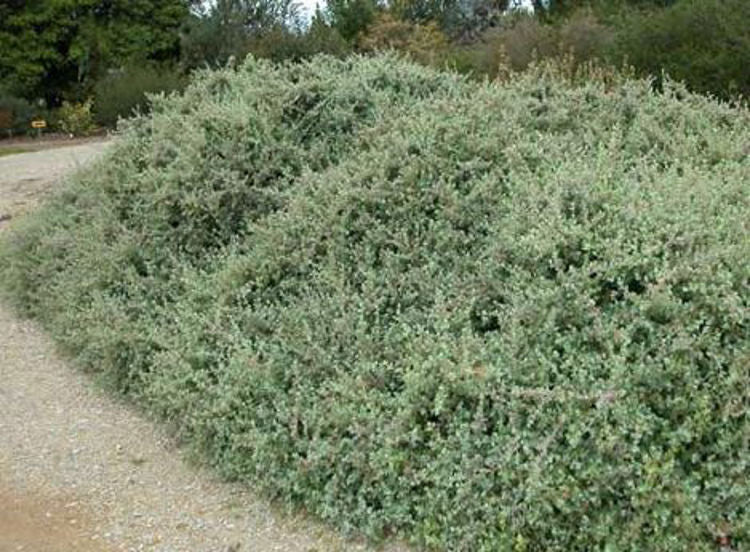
x=26 y=178
x=81 y=471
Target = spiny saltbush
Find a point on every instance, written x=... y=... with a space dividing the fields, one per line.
x=482 y=316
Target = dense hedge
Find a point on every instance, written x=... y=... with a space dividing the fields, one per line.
x=482 y=316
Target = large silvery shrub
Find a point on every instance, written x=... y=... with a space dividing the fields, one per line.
x=486 y=317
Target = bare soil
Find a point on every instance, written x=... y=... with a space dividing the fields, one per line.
x=27 y=178
x=39 y=523
x=48 y=140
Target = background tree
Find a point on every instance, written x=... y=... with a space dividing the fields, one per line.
x=119 y=50
x=464 y=20
x=57 y=48
x=425 y=43
x=233 y=27
x=323 y=37
x=705 y=43
x=547 y=9
x=351 y=17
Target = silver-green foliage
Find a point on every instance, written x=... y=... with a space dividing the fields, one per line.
x=486 y=317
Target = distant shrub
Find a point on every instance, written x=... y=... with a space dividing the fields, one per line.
x=484 y=316
x=523 y=39
x=122 y=93
x=280 y=44
x=526 y=40
x=15 y=114
x=584 y=36
x=76 y=118
x=322 y=38
x=705 y=43
x=424 y=43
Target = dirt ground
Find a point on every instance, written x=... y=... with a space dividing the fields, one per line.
x=47 y=141
x=80 y=471
x=26 y=178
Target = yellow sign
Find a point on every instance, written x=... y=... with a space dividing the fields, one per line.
x=39 y=124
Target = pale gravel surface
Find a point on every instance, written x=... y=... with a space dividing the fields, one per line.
x=81 y=471
x=26 y=178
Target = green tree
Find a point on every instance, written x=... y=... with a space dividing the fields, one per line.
x=419 y=11
x=705 y=43
x=546 y=8
x=57 y=48
x=234 y=27
x=463 y=20
x=322 y=37
x=351 y=17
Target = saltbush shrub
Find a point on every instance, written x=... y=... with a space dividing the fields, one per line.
x=482 y=316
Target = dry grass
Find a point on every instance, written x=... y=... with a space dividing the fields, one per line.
x=13 y=151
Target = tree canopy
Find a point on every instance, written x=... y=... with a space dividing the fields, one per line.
x=55 y=48
x=64 y=49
